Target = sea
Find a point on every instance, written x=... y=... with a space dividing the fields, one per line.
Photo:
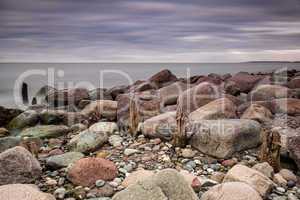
x=106 y=75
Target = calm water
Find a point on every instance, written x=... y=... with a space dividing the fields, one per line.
x=88 y=75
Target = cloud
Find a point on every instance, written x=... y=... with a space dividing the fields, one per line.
x=148 y=30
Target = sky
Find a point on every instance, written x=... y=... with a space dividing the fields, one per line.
x=149 y=30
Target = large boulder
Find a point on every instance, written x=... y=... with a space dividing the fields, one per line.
x=63 y=160
x=231 y=191
x=170 y=93
x=294 y=83
x=88 y=141
x=143 y=86
x=290 y=106
x=258 y=113
x=104 y=127
x=100 y=109
x=222 y=108
x=222 y=138
x=17 y=165
x=161 y=126
x=26 y=119
x=163 y=77
x=23 y=192
x=45 y=131
x=166 y=184
x=48 y=117
x=268 y=92
x=67 y=96
x=99 y=94
x=243 y=81
x=134 y=108
x=87 y=171
x=198 y=96
x=117 y=90
x=7 y=114
x=240 y=173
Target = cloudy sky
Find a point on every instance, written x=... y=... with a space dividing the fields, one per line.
x=149 y=30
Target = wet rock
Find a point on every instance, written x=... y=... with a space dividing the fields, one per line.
x=222 y=108
x=17 y=165
x=162 y=126
x=222 y=138
x=26 y=119
x=170 y=93
x=265 y=169
x=162 y=78
x=166 y=184
x=100 y=94
x=137 y=176
x=45 y=131
x=232 y=191
x=24 y=192
x=88 y=141
x=87 y=171
x=63 y=160
x=100 y=109
x=67 y=96
x=240 y=173
x=9 y=142
x=7 y=114
x=258 y=113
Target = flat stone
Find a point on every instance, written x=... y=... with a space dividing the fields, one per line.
x=63 y=160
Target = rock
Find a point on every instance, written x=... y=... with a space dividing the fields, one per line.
x=87 y=171
x=17 y=165
x=162 y=78
x=293 y=147
x=9 y=142
x=88 y=141
x=117 y=90
x=268 y=92
x=137 y=176
x=136 y=108
x=40 y=97
x=23 y=192
x=102 y=192
x=265 y=169
x=288 y=106
x=294 y=83
x=144 y=86
x=129 y=152
x=258 y=113
x=115 y=140
x=45 y=131
x=217 y=176
x=288 y=175
x=7 y=114
x=26 y=119
x=166 y=184
x=162 y=126
x=104 y=127
x=222 y=138
x=3 y=132
x=198 y=96
x=218 y=109
x=188 y=153
x=240 y=173
x=210 y=79
x=170 y=93
x=60 y=193
x=232 y=191
x=279 y=180
x=100 y=109
x=243 y=81
x=48 y=117
x=99 y=94
x=191 y=179
x=63 y=160
x=67 y=96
